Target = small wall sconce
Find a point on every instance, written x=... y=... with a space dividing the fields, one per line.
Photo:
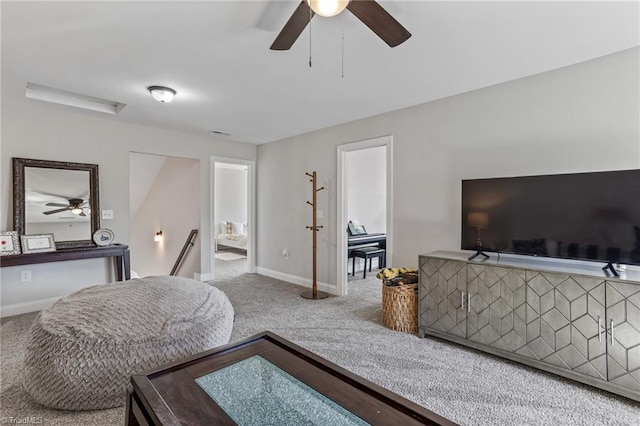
x=158 y=236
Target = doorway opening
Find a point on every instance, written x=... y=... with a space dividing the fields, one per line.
x=232 y=217
x=364 y=210
x=164 y=207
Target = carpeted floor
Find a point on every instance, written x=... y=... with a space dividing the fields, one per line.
x=230 y=263
x=463 y=385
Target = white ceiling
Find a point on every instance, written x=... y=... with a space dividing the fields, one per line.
x=216 y=55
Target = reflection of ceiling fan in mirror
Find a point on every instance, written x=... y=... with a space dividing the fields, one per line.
x=75 y=206
x=368 y=11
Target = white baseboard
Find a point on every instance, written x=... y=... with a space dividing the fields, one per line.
x=201 y=277
x=26 y=307
x=294 y=279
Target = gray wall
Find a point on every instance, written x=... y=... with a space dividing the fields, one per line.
x=143 y=172
x=61 y=231
x=33 y=129
x=230 y=194
x=579 y=118
x=367 y=188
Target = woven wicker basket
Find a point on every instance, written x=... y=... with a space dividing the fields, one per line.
x=400 y=307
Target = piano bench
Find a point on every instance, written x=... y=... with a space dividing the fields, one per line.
x=368 y=253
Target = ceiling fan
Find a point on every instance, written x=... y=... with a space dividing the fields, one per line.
x=75 y=206
x=368 y=11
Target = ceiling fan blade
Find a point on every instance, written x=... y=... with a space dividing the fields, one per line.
x=56 y=211
x=82 y=214
x=294 y=27
x=56 y=205
x=379 y=21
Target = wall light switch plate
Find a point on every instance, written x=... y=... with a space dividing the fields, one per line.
x=25 y=276
x=107 y=214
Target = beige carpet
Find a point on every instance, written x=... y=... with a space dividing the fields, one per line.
x=227 y=269
x=466 y=386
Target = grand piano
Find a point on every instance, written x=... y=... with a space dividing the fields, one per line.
x=366 y=240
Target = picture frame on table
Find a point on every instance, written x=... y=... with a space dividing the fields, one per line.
x=9 y=243
x=37 y=243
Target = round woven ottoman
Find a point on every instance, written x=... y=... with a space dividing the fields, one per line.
x=81 y=352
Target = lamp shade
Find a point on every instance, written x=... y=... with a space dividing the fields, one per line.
x=478 y=220
x=328 y=8
x=161 y=93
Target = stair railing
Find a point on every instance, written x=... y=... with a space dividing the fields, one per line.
x=188 y=244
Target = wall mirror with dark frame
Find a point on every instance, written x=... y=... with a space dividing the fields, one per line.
x=56 y=197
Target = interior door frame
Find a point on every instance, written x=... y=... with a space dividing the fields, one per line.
x=342 y=204
x=251 y=210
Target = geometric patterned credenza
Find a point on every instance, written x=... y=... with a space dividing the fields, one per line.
x=569 y=320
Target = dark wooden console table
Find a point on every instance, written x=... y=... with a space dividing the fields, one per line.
x=119 y=253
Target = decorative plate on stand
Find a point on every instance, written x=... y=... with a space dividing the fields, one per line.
x=103 y=237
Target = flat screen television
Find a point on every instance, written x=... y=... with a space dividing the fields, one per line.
x=585 y=216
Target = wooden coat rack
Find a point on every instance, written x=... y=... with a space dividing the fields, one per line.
x=314 y=293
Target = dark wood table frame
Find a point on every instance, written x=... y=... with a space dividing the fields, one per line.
x=119 y=253
x=169 y=395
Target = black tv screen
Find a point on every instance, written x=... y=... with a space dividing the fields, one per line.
x=586 y=216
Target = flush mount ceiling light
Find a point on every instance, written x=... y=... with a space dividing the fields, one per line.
x=161 y=93
x=327 y=8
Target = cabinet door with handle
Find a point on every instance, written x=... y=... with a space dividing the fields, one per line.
x=565 y=322
x=496 y=310
x=623 y=334
x=443 y=295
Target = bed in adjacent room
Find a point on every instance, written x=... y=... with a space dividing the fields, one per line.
x=231 y=234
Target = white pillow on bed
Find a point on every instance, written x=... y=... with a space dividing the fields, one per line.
x=238 y=227
x=222 y=227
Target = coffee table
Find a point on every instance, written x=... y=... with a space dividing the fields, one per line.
x=265 y=380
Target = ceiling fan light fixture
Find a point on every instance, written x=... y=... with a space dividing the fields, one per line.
x=328 y=8
x=161 y=93
x=76 y=210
